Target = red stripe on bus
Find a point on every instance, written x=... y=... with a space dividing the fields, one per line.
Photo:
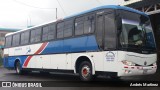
x=27 y=61
x=37 y=52
x=41 y=48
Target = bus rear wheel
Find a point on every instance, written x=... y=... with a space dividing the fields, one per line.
x=85 y=71
x=18 y=68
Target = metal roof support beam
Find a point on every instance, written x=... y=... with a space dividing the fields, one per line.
x=149 y=8
x=143 y=10
x=153 y=12
x=155 y=7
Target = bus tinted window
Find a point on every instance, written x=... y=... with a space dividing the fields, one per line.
x=16 y=39
x=45 y=33
x=99 y=32
x=89 y=24
x=24 y=38
x=8 y=41
x=35 y=35
x=60 y=28
x=79 y=24
x=68 y=28
x=110 y=34
x=48 y=32
x=52 y=32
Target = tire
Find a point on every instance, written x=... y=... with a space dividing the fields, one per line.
x=85 y=71
x=18 y=68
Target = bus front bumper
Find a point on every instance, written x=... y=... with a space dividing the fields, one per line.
x=137 y=70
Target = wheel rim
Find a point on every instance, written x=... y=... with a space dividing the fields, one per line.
x=85 y=71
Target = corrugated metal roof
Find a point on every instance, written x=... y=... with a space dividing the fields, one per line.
x=143 y=3
x=127 y=2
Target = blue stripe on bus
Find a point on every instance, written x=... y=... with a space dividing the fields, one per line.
x=86 y=43
x=9 y=62
x=79 y=44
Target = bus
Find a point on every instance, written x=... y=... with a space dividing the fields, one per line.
x=109 y=40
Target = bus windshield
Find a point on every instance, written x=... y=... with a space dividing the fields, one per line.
x=136 y=33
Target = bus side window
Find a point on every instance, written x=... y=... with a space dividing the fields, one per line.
x=8 y=41
x=26 y=40
x=89 y=24
x=16 y=40
x=52 y=31
x=24 y=37
x=68 y=25
x=38 y=34
x=35 y=35
x=110 y=31
x=99 y=30
x=60 y=28
x=45 y=31
x=79 y=26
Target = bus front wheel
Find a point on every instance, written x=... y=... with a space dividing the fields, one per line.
x=85 y=71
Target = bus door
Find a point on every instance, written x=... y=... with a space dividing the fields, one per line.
x=106 y=38
x=109 y=42
x=99 y=36
x=100 y=29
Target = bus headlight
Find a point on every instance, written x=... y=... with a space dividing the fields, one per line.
x=129 y=63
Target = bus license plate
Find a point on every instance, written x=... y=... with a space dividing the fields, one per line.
x=145 y=71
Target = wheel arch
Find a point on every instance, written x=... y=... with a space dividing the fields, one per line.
x=17 y=60
x=82 y=58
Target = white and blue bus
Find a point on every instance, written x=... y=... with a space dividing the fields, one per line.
x=109 y=40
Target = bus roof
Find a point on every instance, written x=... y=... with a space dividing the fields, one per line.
x=111 y=7
x=87 y=11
